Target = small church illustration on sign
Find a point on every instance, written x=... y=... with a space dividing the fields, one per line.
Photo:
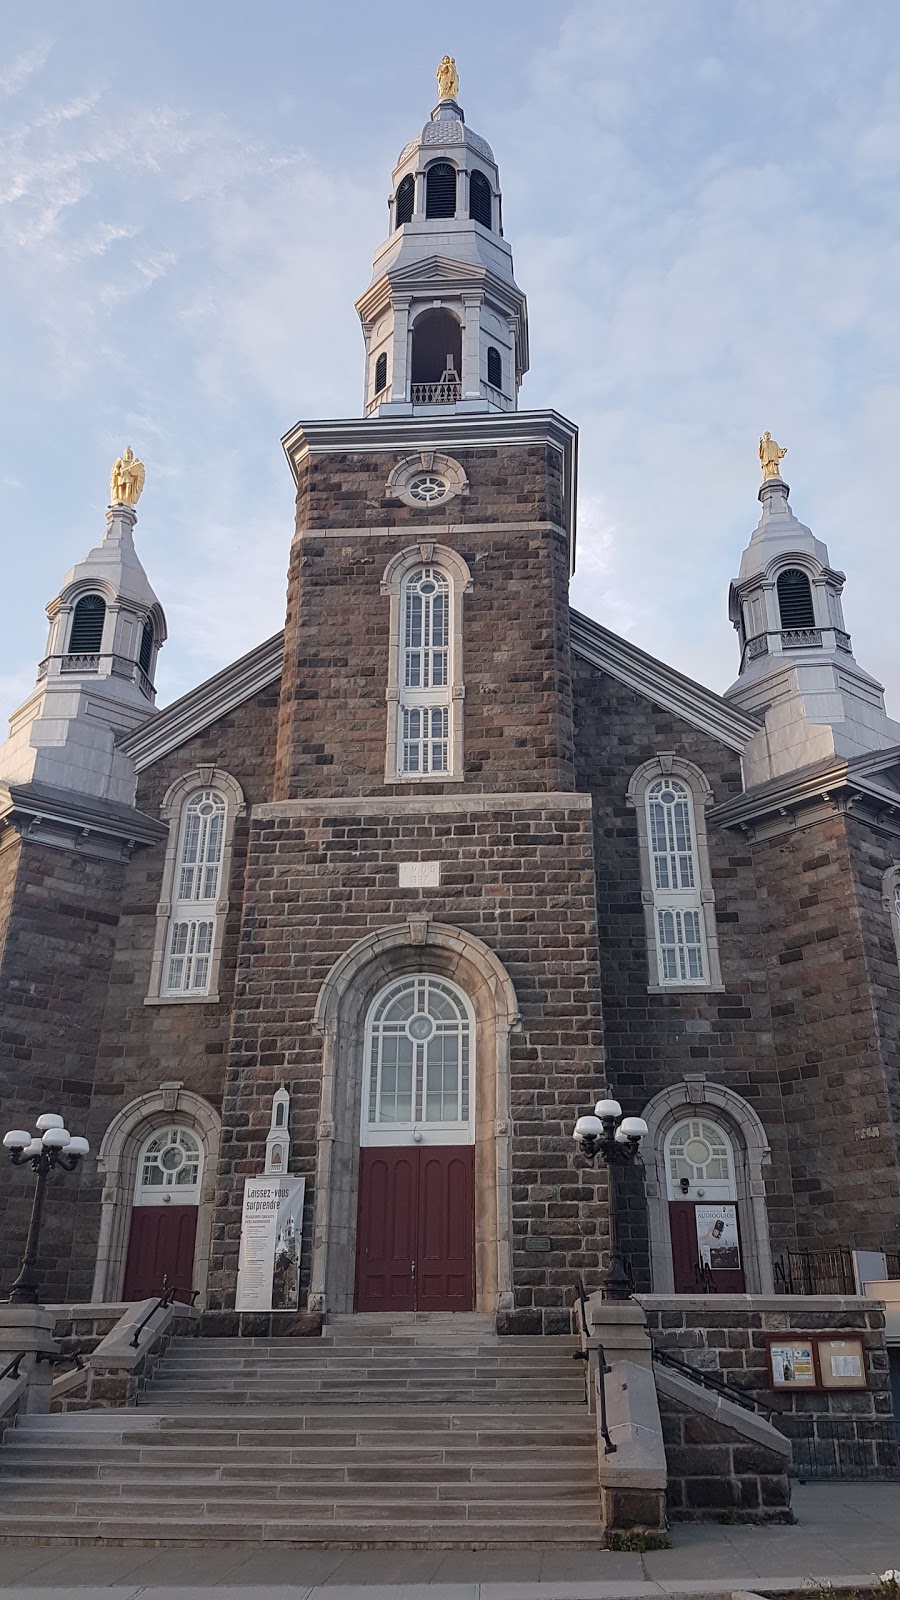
x=387 y=903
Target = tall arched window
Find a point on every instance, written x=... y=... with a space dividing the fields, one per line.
x=425 y=698
x=494 y=367
x=480 y=198
x=795 y=602
x=201 y=809
x=381 y=372
x=440 y=190
x=436 y=357
x=419 y=1062
x=406 y=200
x=670 y=797
x=88 y=618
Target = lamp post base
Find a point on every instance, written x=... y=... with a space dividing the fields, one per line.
x=616 y=1281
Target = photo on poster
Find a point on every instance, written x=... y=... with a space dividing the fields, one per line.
x=792 y=1365
x=717 y=1237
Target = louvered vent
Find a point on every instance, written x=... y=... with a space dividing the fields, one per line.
x=795 y=599
x=87 y=625
x=494 y=368
x=146 y=656
x=480 y=199
x=440 y=190
x=406 y=199
x=381 y=373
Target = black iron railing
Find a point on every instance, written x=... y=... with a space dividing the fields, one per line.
x=713 y=1382
x=602 y=1369
x=11 y=1370
x=166 y=1299
x=815 y=1272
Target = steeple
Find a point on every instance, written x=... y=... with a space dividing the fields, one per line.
x=96 y=679
x=797 y=666
x=444 y=321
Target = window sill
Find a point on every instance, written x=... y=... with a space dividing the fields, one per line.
x=181 y=1000
x=685 y=988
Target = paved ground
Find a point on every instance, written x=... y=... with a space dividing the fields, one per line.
x=845 y=1531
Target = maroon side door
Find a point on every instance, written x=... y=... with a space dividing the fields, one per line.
x=415 y=1236
x=160 y=1250
x=686 y=1255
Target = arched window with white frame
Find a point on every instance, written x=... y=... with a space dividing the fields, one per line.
x=670 y=797
x=201 y=809
x=420 y=1041
x=425 y=690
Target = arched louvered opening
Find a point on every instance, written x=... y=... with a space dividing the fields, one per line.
x=440 y=190
x=381 y=373
x=406 y=200
x=436 y=358
x=148 y=639
x=795 y=602
x=480 y=198
x=494 y=368
x=87 y=625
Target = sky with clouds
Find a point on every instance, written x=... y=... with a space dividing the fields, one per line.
x=702 y=199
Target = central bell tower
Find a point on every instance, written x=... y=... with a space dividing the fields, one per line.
x=444 y=321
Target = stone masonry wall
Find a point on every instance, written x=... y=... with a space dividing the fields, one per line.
x=654 y=1040
x=818 y=892
x=517 y=707
x=54 y=972
x=518 y=874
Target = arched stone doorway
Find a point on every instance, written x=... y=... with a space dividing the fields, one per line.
x=705 y=1151
x=344 y=1005
x=124 y=1160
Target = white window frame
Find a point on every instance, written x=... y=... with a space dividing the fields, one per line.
x=890 y=892
x=659 y=900
x=169 y=1191
x=415 y=1130
x=172 y=909
x=447 y=698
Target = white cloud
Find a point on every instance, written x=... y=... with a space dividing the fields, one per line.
x=18 y=73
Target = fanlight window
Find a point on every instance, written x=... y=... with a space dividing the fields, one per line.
x=425 y=705
x=795 y=602
x=196 y=891
x=440 y=190
x=406 y=199
x=698 y=1151
x=88 y=618
x=680 y=933
x=480 y=198
x=419 y=1057
x=170 y=1160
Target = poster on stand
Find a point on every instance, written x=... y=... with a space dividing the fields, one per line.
x=271 y=1232
x=717 y=1237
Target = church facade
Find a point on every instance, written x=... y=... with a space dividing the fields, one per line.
x=445 y=860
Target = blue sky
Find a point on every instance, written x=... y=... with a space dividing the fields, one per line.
x=702 y=202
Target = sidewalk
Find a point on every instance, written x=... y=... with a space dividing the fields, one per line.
x=845 y=1533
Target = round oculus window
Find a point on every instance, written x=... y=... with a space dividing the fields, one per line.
x=420 y=1027
x=697 y=1152
x=667 y=797
x=172 y=1158
x=428 y=488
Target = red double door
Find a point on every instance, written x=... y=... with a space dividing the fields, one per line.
x=160 y=1250
x=415 y=1236
x=686 y=1256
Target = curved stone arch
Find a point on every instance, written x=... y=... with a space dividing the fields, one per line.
x=415 y=945
x=695 y=1096
x=392 y=584
x=667 y=764
x=117 y=1161
x=201 y=778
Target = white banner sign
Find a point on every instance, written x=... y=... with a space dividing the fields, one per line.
x=717 y=1237
x=271 y=1231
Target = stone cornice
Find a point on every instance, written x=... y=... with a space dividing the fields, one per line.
x=701 y=707
x=402 y=435
x=210 y=700
x=801 y=799
x=414 y=804
x=72 y=821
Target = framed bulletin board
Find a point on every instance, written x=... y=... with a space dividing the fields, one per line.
x=792 y=1362
x=842 y=1364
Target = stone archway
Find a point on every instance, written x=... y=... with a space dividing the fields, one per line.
x=751 y=1152
x=340 y=1015
x=117 y=1161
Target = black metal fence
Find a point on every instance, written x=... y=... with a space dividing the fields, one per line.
x=823 y=1271
x=861 y=1449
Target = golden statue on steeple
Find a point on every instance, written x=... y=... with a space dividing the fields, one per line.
x=126 y=481
x=770 y=455
x=448 y=78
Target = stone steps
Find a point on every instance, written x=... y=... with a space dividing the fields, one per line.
x=396 y=1435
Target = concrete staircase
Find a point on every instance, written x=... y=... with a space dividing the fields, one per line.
x=426 y=1430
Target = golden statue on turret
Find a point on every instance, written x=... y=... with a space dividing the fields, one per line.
x=770 y=455
x=448 y=78
x=126 y=481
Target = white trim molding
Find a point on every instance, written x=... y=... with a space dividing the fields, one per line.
x=185 y=718
x=443 y=469
x=890 y=898
x=451 y=564
x=172 y=812
x=667 y=764
x=694 y=1096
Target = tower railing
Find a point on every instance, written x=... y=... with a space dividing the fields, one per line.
x=445 y=392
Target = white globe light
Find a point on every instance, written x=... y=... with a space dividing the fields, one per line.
x=588 y=1128
x=49 y=1120
x=608 y=1108
x=33 y=1149
x=78 y=1146
x=621 y=1136
x=634 y=1127
x=16 y=1139
x=56 y=1139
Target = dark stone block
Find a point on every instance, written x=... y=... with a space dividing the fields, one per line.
x=220 y=1324
x=297 y=1324
x=515 y=1322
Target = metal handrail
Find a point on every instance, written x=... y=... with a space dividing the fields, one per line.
x=167 y=1298
x=11 y=1370
x=717 y=1385
x=603 y=1370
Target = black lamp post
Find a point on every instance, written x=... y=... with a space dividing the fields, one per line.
x=618 y=1140
x=52 y=1146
